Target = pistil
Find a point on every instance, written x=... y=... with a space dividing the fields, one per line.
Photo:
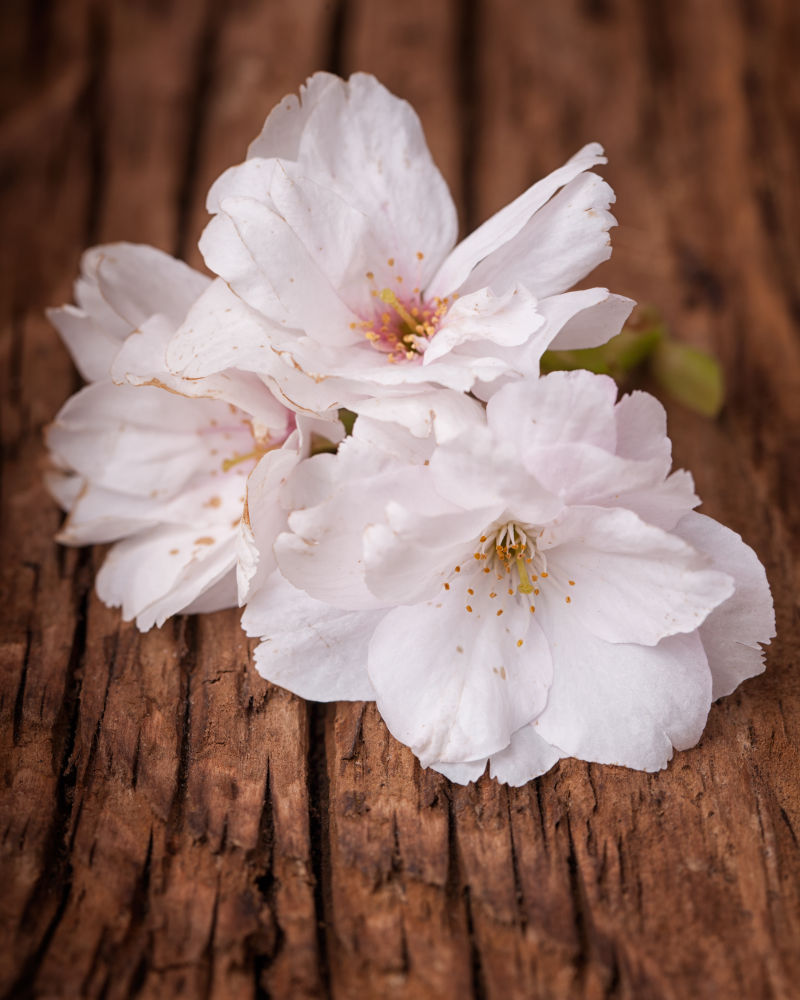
x=388 y=296
x=525 y=585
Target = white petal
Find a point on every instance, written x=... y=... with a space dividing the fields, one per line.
x=453 y=684
x=527 y=756
x=219 y=332
x=622 y=704
x=342 y=242
x=590 y=315
x=662 y=504
x=284 y=126
x=341 y=494
x=160 y=572
x=368 y=146
x=478 y=470
x=64 y=487
x=251 y=179
x=506 y=320
x=559 y=408
x=642 y=428
x=144 y=441
x=505 y=224
x=310 y=648
x=264 y=518
x=217 y=597
x=362 y=195
x=264 y=261
x=408 y=558
x=120 y=287
x=580 y=325
x=632 y=582
x=560 y=245
x=98 y=515
x=732 y=632
x=461 y=774
x=394 y=430
x=142 y=358
x=92 y=347
x=438 y=412
x=138 y=281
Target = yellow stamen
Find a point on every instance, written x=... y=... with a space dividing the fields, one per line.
x=229 y=463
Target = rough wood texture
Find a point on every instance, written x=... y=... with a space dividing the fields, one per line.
x=174 y=827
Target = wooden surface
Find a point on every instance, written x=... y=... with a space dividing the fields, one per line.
x=172 y=826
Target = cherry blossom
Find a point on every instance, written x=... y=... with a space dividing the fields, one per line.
x=340 y=277
x=534 y=586
x=155 y=464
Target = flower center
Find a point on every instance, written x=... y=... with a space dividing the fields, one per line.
x=511 y=553
x=402 y=328
x=257 y=440
x=513 y=565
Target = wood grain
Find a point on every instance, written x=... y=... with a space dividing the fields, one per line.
x=170 y=824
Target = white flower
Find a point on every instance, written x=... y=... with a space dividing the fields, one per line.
x=335 y=242
x=150 y=467
x=538 y=584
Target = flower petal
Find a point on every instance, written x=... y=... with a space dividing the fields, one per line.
x=440 y=413
x=632 y=582
x=507 y=223
x=461 y=774
x=622 y=704
x=560 y=245
x=284 y=126
x=160 y=572
x=144 y=441
x=264 y=261
x=506 y=320
x=455 y=684
x=408 y=558
x=585 y=318
x=571 y=437
x=310 y=648
x=369 y=147
x=527 y=756
x=362 y=151
x=478 y=470
x=324 y=553
x=91 y=346
x=559 y=408
x=731 y=634
x=263 y=519
x=141 y=361
x=220 y=332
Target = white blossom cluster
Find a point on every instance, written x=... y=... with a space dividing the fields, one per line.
x=503 y=562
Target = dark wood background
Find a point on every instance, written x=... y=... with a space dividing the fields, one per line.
x=172 y=826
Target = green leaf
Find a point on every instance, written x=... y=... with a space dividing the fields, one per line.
x=691 y=376
x=621 y=354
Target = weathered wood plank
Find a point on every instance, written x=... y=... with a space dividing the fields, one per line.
x=174 y=826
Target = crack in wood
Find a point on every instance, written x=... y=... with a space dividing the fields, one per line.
x=319 y=831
